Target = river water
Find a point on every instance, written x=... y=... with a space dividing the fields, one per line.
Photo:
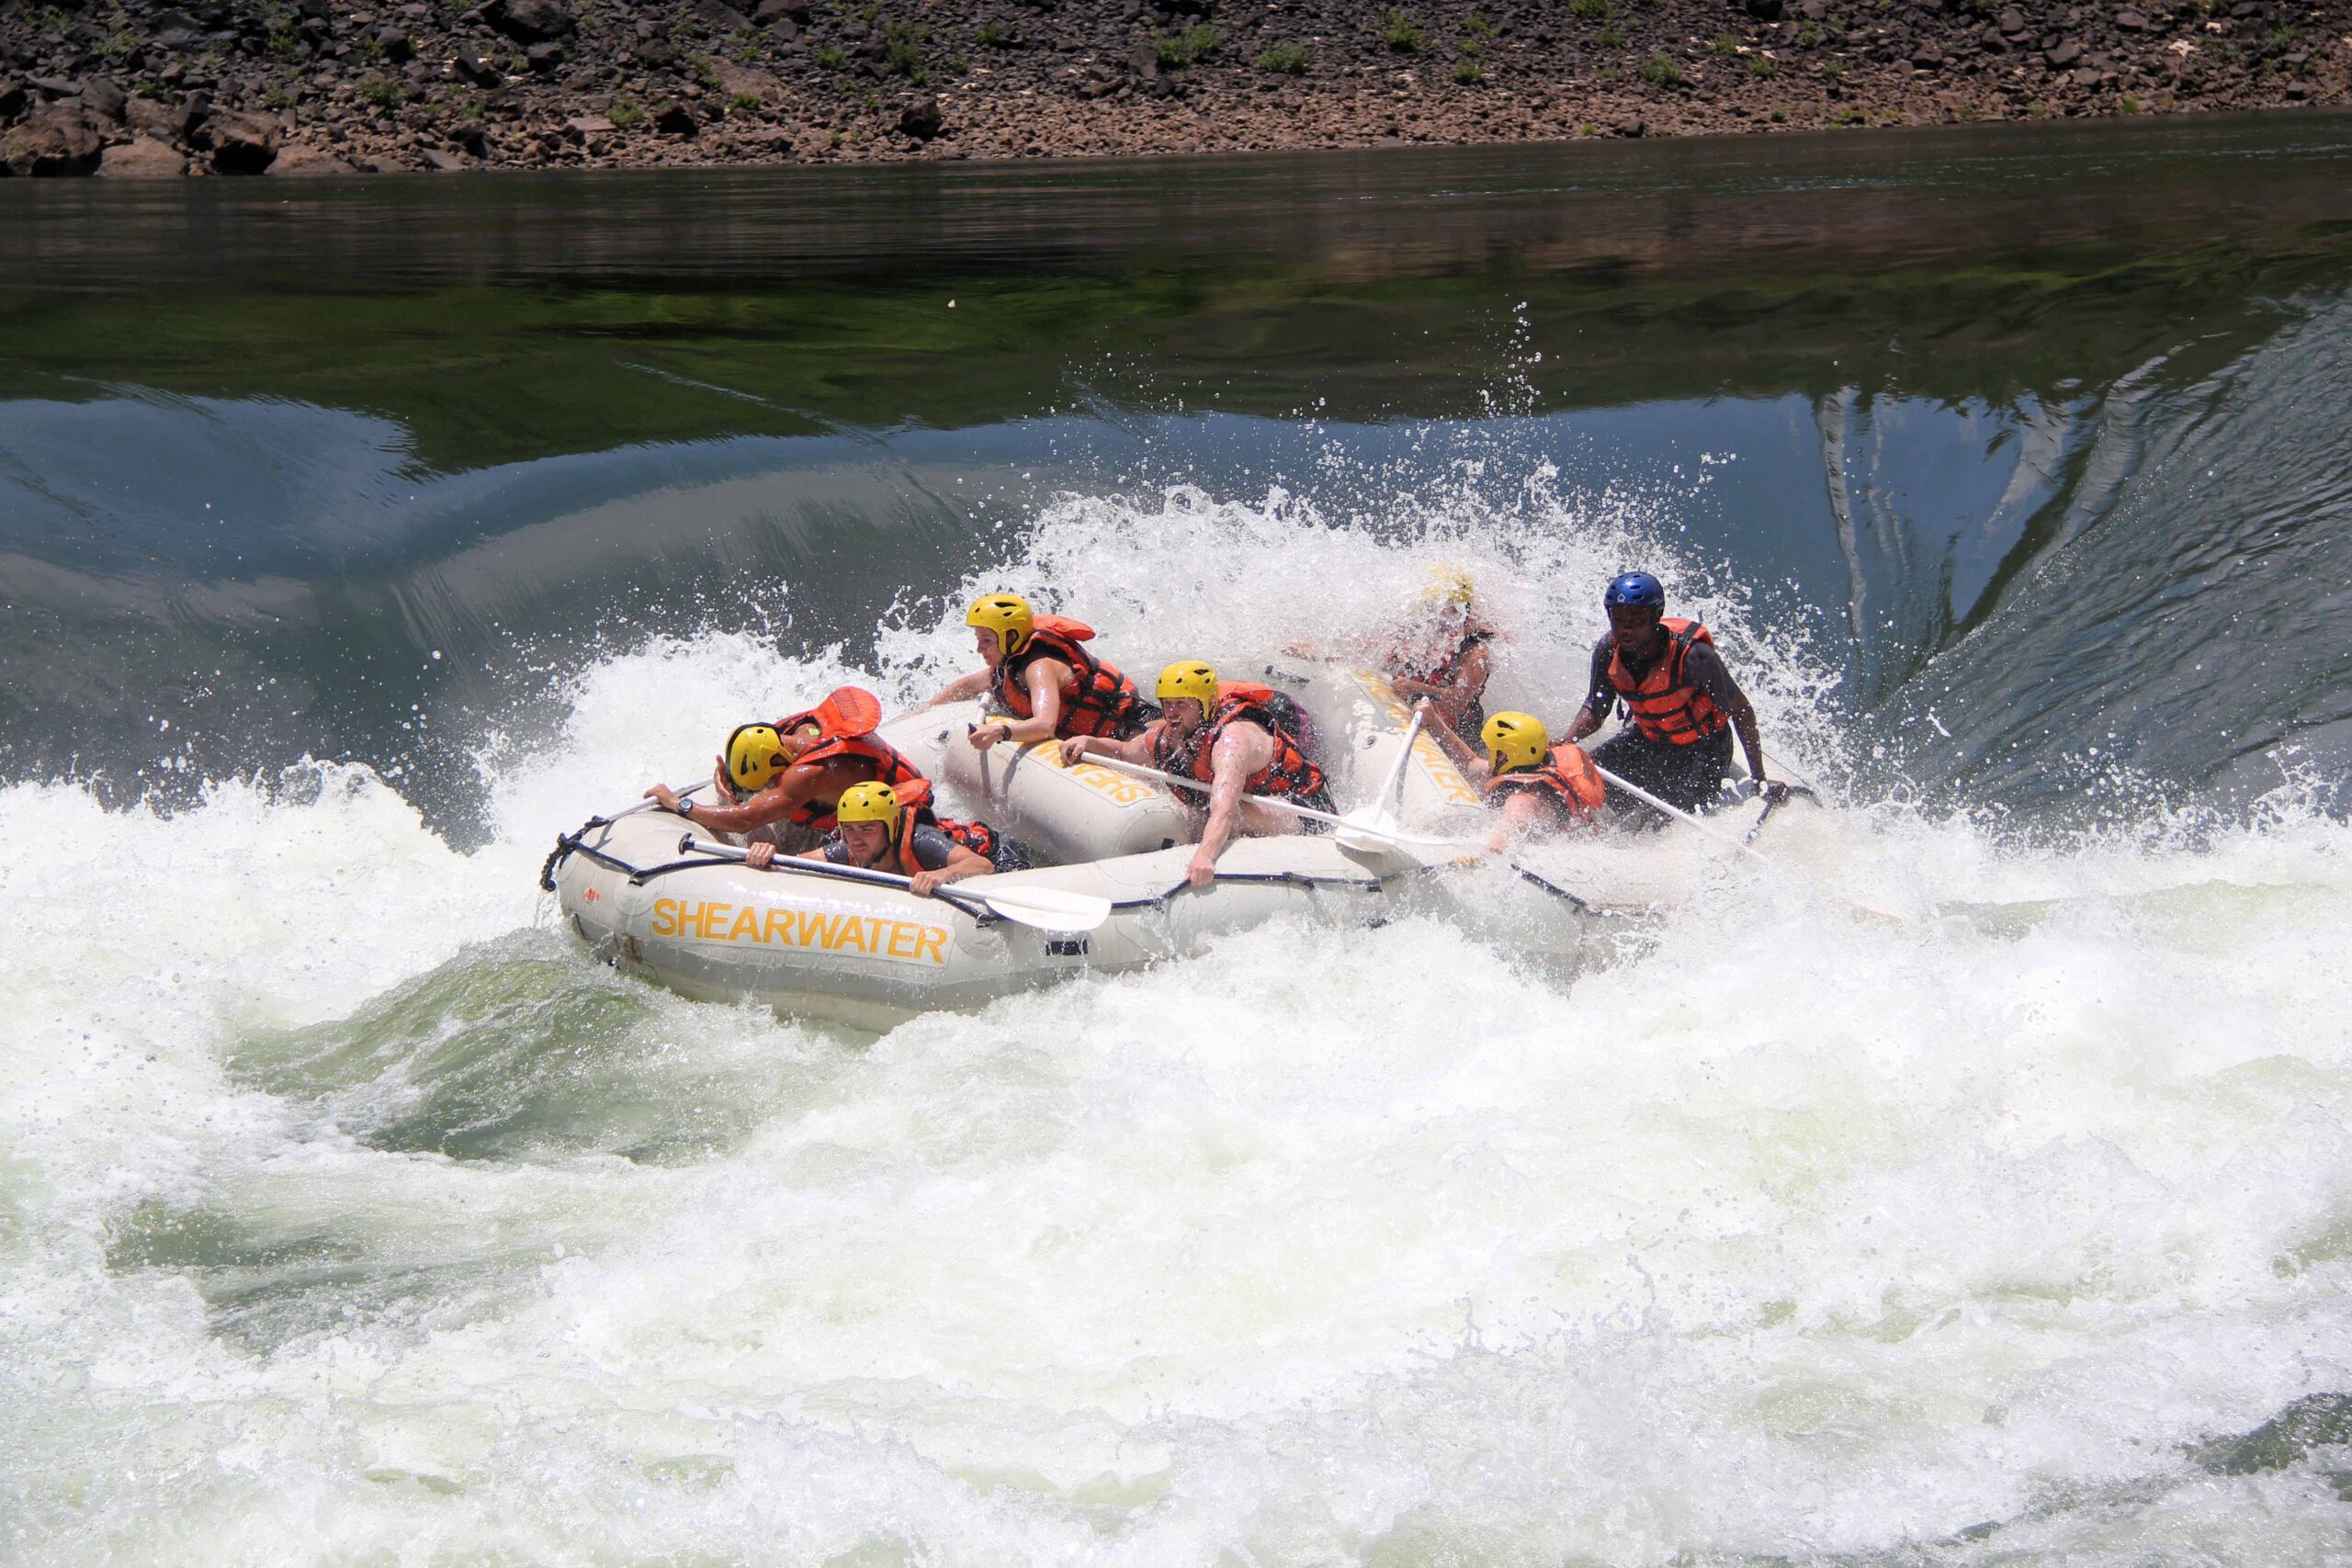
x=356 y=539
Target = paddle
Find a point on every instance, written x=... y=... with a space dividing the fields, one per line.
x=1363 y=828
x=1043 y=909
x=1137 y=770
x=1742 y=845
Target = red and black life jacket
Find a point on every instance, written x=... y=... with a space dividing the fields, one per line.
x=891 y=766
x=1442 y=671
x=1096 y=699
x=1291 y=775
x=1665 y=705
x=976 y=837
x=1567 y=777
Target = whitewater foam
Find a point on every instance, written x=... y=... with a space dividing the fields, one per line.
x=350 y=1213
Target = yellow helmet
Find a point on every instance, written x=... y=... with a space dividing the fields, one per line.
x=1007 y=615
x=1190 y=678
x=872 y=801
x=1449 y=588
x=753 y=753
x=1515 y=740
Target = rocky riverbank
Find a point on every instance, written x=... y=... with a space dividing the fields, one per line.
x=329 y=86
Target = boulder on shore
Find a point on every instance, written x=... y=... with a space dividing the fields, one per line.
x=142 y=158
x=529 y=21
x=304 y=159
x=242 y=144
x=921 y=119
x=61 y=139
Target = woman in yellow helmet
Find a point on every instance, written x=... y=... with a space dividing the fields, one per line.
x=1439 y=655
x=1224 y=734
x=1040 y=675
x=876 y=831
x=1539 y=788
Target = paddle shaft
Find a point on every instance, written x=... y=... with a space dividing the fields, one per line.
x=1742 y=845
x=1378 y=820
x=1391 y=788
x=1089 y=911
x=1138 y=770
x=794 y=864
x=1638 y=793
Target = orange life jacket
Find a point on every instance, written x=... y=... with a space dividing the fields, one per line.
x=891 y=766
x=1666 y=707
x=1096 y=699
x=976 y=837
x=1290 y=776
x=1567 y=777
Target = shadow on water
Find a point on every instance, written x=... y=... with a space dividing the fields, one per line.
x=343 y=472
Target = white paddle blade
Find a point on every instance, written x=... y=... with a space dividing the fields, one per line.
x=1368 y=832
x=1045 y=908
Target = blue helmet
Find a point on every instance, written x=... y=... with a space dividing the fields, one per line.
x=1635 y=588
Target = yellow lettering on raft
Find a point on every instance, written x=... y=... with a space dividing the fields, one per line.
x=811 y=930
x=1117 y=788
x=1436 y=766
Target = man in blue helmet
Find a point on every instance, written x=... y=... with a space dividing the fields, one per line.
x=1683 y=703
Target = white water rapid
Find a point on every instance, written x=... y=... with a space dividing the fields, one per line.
x=350 y=1214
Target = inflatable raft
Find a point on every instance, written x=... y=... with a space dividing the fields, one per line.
x=652 y=896
x=645 y=900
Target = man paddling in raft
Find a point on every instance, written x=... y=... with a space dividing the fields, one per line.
x=1041 y=677
x=1224 y=734
x=789 y=774
x=1683 y=703
x=876 y=829
x=1537 y=786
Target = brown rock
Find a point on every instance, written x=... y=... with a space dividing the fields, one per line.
x=242 y=144
x=12 y=98
x=921 y=119
x=2012 y=21
x=590 y=125
x=772 y=11
x=472 y=65
x=675 y=119
x=2131 y=21
x=152 y=117
x=59 y=140
x=529 y=21
x=2066 y=54
x=174 y=29
x=102 y=98
x=720 y=14
x=143 y=158
x=306 y=161
x=445 y=161
x=543 y=57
